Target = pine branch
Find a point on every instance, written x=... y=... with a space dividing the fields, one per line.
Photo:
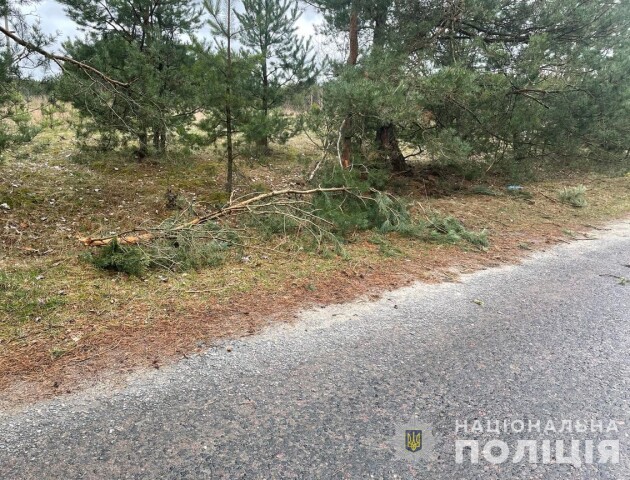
x=137 y=236
x=61 y=58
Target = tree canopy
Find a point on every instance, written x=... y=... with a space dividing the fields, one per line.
x=476 y=78
x=456 y=80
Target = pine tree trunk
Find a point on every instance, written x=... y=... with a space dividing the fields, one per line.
x=156 y=139
x=346 y=151
x=163 y=140
x=143 y=145
x=229 y=184
x=380 y=27
x=386 y=140
x=387 y=143
x=159 y=139
x=264 y=141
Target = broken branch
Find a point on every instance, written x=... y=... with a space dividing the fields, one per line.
x=137 y=236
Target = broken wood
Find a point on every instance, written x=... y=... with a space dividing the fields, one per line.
x=142 y=235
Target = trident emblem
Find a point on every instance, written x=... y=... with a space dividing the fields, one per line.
x=413 y=440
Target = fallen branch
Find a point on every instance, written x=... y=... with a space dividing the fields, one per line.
x=61 y=58
x=142 y=235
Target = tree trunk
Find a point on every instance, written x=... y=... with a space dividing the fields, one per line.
x=380 y=27
x=159 y=139
x=386 y=140
x=264 y=141
x=388 y=144
x=354 y=37
x=346 y=151
x=143 y=145
x=229 y=184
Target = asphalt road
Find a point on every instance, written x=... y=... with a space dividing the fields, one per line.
x=548 y=340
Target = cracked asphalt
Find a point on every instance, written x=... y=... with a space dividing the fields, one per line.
x=322 y=399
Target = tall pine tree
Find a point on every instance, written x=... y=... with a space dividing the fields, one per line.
x=222 y=74
x=138 y=42
x=286 y=63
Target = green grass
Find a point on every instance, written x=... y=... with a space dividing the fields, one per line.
x=26 y=298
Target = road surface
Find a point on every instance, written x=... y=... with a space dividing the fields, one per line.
x=546 y=341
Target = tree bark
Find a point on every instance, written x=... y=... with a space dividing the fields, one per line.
x=229 y=184
x=354 y=37
x=159 y=139
x=353 y=55
x=264 y=141
x=143 y=145
x=387 y=143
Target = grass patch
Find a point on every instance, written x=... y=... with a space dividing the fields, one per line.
x=484 y=190
x=27 y=298
x=385 y=247
x=521 y=194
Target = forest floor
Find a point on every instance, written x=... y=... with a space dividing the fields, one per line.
x=65 y=325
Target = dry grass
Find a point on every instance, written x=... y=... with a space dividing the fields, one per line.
x=61 y=320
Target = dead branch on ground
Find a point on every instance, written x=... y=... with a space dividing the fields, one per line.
x=250 y=205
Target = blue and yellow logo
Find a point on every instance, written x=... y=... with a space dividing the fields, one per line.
x=413 y=440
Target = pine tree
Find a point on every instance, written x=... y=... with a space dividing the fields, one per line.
x=223 y=77
x=15 y=119
x=138 y=42
x=513 y=80
x=286 y=63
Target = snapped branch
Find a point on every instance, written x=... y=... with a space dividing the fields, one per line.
x=138 y=236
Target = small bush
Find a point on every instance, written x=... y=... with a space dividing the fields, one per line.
x=574 y=196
